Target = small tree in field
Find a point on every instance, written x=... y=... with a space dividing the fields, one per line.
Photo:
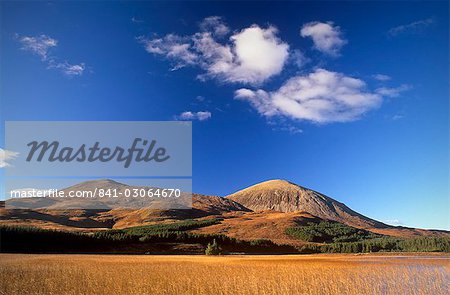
x=212 y=249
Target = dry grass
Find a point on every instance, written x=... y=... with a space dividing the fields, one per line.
x=319 y=274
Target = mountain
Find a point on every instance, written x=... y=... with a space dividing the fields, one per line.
x=100 y=213
x=284 y=196
x=262 y=211
x=202 y=206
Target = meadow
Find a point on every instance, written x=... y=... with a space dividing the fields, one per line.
x=184 y=274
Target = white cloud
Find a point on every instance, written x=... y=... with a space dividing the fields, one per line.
x=216 y=25
x=326 y=37
x=259 y=53
x=259 y=99
x=392 y=92
x=397 y=117
x=6 y=156
x=320 y=97
x=173 y=47
x=39 y=45
x=250 y=56
x=381 y=77
x=255 y=54
x=288 y=128
x=201 y=116
x=69 y=69
x=413 y=27
x=299 y=58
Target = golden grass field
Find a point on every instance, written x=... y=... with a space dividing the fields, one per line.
x=290 y=274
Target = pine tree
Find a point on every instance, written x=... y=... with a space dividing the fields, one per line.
x=212 y=249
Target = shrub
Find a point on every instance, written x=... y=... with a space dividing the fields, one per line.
x=212 y=249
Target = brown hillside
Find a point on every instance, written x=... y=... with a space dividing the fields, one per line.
x=262 y=211
x=284 y=196
x=267 y=225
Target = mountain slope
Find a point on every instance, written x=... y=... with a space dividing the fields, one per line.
x=267 y=225
x=56 y=213
x=262 y=211
x=284 y=196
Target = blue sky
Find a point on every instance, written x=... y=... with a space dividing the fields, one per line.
x=350 y=99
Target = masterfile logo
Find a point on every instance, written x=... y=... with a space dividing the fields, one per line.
x=140 y=150
x=70 y=165
x=156 y=149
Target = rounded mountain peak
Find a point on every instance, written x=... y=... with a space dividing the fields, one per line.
x=284 y=196
x=270 y=186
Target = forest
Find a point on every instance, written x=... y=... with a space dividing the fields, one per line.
x=175 y=238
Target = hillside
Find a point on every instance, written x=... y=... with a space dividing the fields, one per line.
x=56 y=213
x=275 y=210
x=284 y=196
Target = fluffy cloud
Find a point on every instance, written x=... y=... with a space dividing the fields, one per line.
x=201 y=116
x=41 y=45
x=320 y=97
x=381 y=77
x=216 y=25
x=413 y=27
x=326 y=37
x=392 y=92
x=299 y=58
x=250 y=56
x=6 y=156
x=255 y=54
x=173 y=47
